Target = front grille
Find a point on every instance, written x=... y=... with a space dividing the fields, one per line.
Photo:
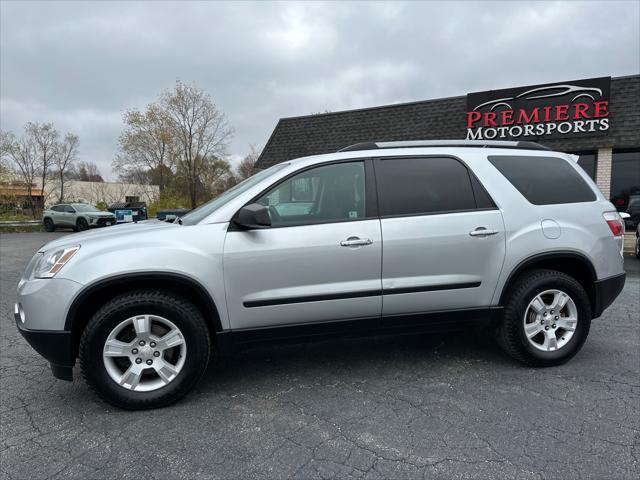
x=103 y=221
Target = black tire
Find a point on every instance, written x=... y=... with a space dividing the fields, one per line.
x=637 y=247
x=81 y=225
x=174 y=308
x=49 y=226
x=511 y=333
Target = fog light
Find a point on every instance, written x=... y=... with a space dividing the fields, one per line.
x=19 y=311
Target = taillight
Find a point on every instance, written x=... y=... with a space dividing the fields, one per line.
x=615 y=223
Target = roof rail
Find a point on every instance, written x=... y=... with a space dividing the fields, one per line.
x=445 y=143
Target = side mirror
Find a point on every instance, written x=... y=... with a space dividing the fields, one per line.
x=253 y=216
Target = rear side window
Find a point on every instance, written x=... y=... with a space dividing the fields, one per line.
x=58 y=208
x=544 y=180
x=415 y=186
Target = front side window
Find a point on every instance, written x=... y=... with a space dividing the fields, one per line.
x=420 y=186
x=331 y=193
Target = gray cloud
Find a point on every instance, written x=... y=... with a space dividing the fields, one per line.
x=81 y=65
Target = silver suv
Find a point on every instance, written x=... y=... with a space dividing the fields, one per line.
x=79 y=216
x=377 y=238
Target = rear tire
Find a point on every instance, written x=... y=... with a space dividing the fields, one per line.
x=81 y=225
x=49 y=226
x=531 y=333
x=153 y=385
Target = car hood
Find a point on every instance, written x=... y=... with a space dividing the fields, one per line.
x=109 y=234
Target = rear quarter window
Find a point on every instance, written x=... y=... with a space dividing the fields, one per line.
x=544 y=180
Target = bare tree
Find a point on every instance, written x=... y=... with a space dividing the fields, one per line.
x=22 y=153
x=66 y=152
x=86 y=171
x=146 y=144
x=247 y=166
x=200 y=131
x=44 y=138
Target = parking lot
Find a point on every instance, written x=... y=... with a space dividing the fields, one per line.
x=438 y=406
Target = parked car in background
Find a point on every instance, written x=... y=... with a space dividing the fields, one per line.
x=633 y=209
x=126 y=212
x=170 y=214
x=506 y=235
x=79 y=216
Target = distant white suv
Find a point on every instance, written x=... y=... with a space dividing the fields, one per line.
x=377 y=238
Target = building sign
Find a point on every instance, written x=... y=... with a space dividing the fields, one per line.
x=554 y=110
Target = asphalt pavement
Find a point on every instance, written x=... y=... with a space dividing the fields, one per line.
x=428 y=406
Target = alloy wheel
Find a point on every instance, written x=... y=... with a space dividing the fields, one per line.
x=144 y=353
x=550 y=320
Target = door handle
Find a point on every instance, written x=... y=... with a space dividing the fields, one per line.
x=482 y=232
x=355 y=242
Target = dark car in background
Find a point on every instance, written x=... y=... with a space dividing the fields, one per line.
x=129 y=211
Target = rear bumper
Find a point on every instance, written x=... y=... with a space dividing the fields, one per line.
x=606 y=291
x=56 y=346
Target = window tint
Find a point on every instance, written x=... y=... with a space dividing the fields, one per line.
x=58 y=208
x=413 y=186
x=544 y=180
x=69 y=209
x=330 y=193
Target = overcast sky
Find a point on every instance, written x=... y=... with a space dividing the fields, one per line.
x=81 y=64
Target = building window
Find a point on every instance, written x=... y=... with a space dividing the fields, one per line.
x=625 y=177
x=588 y=163
x=132 y=199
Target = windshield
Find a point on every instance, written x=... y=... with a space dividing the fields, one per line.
x=83 y=207
x=208 y=208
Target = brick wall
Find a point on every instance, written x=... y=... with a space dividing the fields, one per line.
x=603 y=171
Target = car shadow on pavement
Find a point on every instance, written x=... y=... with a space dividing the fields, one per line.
x=342 y=358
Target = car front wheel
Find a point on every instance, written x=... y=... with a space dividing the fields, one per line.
x=144 y=349
x=546 y=319
x=82 y=225
x=49 y=226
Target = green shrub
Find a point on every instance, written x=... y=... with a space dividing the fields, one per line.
x=168 y=200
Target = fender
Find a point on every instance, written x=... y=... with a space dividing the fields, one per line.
x=538 y=257
x=184 y=280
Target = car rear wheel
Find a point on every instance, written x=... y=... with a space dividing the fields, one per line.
x=145 y=349
x=546 y=319
x=49 y=226
x=81 y=225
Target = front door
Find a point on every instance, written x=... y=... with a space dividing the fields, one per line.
x=444 y=239
x=319 y=261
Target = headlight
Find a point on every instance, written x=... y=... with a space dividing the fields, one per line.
x=50 y=263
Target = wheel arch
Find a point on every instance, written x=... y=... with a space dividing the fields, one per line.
x=92 y=297
x=574 y=264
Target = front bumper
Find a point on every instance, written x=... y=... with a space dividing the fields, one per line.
x=606 y=291
x=56 y=346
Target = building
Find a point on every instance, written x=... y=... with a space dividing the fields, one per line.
x=101 y=192
x=597 y=119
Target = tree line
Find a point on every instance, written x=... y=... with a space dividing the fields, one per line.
x=178 y=142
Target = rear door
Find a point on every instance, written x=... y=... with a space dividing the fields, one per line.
x=321 y=258
x=443 y=237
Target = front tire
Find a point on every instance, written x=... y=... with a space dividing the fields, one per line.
x=49 y=226
x=145 y=349
x=82 y=225
x=546 y=318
